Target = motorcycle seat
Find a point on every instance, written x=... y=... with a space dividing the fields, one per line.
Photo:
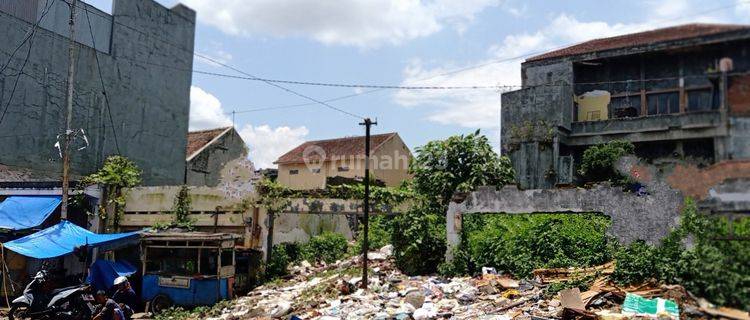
x=58 y=290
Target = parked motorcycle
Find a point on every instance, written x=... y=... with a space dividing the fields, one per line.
x=40 y=303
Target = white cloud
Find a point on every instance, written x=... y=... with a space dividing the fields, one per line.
x=267 y=144
x=743 y=8
x=360 y=23
x=206 y=111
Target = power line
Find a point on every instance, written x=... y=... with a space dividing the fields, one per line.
x=282 y=87
x=374 y=87
x=30 y=33
x=30 y=40
x=354 y=85
x=101 y=80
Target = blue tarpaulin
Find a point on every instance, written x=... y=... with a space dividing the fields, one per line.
x=104 y=272
x=63 y=238
x=24 y=212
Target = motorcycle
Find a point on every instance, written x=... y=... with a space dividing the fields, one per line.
x=39 y=303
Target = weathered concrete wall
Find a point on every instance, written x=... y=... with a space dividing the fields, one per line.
x=633 y=217
x=303 y=218
x=536 y=74
x=532 y=120
x=147 y=76
x=207 y=167
x=300 y=227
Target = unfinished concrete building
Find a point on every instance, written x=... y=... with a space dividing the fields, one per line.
x=132 y=86
x=679 y=93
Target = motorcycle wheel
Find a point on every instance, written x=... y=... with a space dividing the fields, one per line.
x=18 y=312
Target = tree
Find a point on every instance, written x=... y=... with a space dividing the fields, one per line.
x=458 y=164
x=117 y=173
x=441 y=168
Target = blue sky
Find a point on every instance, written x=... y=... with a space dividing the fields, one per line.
x=393 y=42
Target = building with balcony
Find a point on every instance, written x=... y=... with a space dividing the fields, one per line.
x=680 y=93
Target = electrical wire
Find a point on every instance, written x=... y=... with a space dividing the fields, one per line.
x=101 y=81
x=375 y=87
x=30 y=40
x=283 y=88
x=31 y=31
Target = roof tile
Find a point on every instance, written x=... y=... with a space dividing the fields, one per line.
x=342 y=147
x=198 y=139
x=641 y=38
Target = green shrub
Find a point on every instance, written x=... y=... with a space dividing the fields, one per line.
x=327 y=246
x=418 y=240
x=598 y=163
x=635 y=263
x=717 y=270
x=281 y=256
x=518 y=244
x=441 y=168
x=379 y=234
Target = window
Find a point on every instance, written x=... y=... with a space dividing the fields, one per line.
x=623 y=107
x=293 y=172
x=315 y=170
x=172 y=261
x=699 y=100
x=343 y=169
x=663 y=103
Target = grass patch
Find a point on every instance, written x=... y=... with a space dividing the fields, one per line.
x=518 y=244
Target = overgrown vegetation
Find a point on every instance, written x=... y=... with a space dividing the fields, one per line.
x=326 y=247
x=716 y=269
x=518 y=244
x=281 y=256
x=598 y=163
x=379 y=234
x=441 y=168
x=117 y=173
x=181 y=212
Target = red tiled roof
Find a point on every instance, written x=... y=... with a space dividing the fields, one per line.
x=342 y=147
x=198 y=139
x=642 y=38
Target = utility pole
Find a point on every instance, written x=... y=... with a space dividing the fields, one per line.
x=365 y=243
x=69 y=102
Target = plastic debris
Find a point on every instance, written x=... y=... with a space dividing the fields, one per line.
x=636 y=305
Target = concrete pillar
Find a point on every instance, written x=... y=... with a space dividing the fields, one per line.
x=453 y=225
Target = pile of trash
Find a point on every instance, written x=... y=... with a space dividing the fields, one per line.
x=328 y=292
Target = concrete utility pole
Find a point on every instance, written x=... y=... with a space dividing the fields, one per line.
x=365 y=243
x=69 y=102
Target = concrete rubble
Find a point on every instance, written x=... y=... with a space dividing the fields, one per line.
x=329 y=292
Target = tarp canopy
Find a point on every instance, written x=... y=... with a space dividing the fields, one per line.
x=104 y=272
x=24 y=212
x=63 y=238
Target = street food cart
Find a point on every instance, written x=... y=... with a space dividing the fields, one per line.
x=187 y=268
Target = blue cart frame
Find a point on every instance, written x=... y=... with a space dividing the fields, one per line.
x=163 y=288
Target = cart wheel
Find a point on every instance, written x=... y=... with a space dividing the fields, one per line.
x=160 y=303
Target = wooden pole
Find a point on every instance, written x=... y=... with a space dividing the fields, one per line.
x=69 y=115
x=365 y=240
x=5 y=274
